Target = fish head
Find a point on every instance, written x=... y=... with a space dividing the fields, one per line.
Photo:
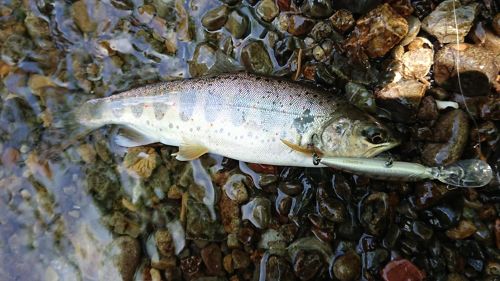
x=355 y=137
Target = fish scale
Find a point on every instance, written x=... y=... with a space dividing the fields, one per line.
x=241 y=116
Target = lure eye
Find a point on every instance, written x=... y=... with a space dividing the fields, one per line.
x=374 y=135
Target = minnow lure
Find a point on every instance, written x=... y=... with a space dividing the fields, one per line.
x=464 y=173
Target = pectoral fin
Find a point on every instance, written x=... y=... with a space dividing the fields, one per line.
x=131 y=138
x=301 y=149
x=190 y=151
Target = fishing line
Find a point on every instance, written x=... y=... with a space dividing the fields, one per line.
x=457 y=65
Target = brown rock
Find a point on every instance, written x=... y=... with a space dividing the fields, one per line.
x=428 y=109
x=212 y=258
x=228 y=263
x=402 y=99
x=190 y=265
x=378 y=31
x=451 y=132
x=299 y=25
x=164 y=242
x=463 y=230
x=230 y=213
x=497 y=232
x=402 y=270
x=478 y=68
x=240 y=259
x=342 y=20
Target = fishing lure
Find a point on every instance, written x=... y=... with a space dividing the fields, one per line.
x=464 y=173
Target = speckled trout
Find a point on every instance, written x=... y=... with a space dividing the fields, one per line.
x=241 y=116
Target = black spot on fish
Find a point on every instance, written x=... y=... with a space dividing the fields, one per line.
x=303 y=122
x=159 y=109
x=137 y=109
x=187 y=104
x=118 y=111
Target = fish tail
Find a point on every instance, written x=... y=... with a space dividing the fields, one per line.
x=67 y=128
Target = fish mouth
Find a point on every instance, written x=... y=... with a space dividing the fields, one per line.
x=374 y=151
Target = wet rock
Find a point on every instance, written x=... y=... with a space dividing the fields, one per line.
x=246 y=235
x=204 y=59
x=255 y=58
x=347 y=267
x=237 y=24
x=307 y=264
x=215 y=19
x=451 y=132
x=402 y=270
x=417 y=61
x=291 y=188
x=357 y=7
x=240 y=259
x=342 y=20
x=478 y=69
x=283 y=50
x=190 y=265
x=298 y=25
x=212 y=258
x=463 y=230
x=374 y=260
x=87 y=153
x=493 y=268
x=278 y=269
x=227 y=262
x=231 y=2
x=15 y=49
x=200 y=223
x=38 y=29
x=317 y=8
x=428 y=109
x=81 y=15
x=402 y=99
x=258 y=212
x=418 y=230
x=441 y=22
x=235 y=188
x=267 y=10
x=402 y=7
x=497 y=232
x=164 y=242
x=321 y=30
x=456 y=277
x=125 y=252
x=141 y=161
x=360 y=97
x=430 y=193
x=414 y=25
x=330 y=208
x=374 y=213
x=378 y=31
x=496 y=24
x=445 y=215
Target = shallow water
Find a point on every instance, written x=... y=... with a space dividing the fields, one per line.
x=61 y=219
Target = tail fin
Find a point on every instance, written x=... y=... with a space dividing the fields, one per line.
x=63 y=128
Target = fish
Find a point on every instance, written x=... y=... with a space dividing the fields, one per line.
x=252 y=118
x=464 y=173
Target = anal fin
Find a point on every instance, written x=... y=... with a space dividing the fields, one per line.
x=190 y=151
x=130 y=138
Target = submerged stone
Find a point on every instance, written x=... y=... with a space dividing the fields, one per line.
x=215 y=18
x=267 y=10
x=237 y=24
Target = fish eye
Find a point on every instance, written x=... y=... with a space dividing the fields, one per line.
x=374 y=135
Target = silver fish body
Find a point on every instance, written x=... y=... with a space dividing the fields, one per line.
x=241 y=116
